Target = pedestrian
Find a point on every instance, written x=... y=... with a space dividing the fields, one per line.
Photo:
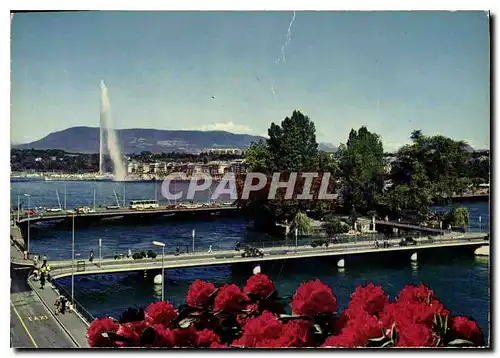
x=63 y=304
x=44 y=261
x=210 y=249
x=91 y=256
x=177 y=250
x=25 y=254
x=57 y=305
x=35 y=259
x=42 y=280
x=129 y=254
x=35 y=274
x=116 y=255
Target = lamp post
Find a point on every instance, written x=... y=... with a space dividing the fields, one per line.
x=100 y=251
x=193 y=234
x=73 y=261
x=162 y=245
x=28 y=246
x=18 y=206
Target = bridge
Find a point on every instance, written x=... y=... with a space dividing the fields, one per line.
x=103 y=213
x=60 y=269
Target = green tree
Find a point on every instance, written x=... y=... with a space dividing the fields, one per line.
x=302 y=223
x=292 y=144
x=334 y=226
x=363 y=168
x=258 y=157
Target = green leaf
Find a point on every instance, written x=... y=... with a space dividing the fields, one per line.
x=460 y=342
x=386 y=344
x=186 y=322
x=379 y=339
x=318 y=329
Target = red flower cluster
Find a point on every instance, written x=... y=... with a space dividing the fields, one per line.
x=259 y=285
x=314 y=298
x=97 y=328
x=368 y=299
x=230 y=299
x=467 y=329
x=160 y=313
x=199 y=293
x=415 y=319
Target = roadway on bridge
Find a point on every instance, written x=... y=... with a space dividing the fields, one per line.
x=63 y=268
x=31 y=324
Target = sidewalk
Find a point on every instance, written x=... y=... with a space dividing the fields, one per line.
x=71 y=322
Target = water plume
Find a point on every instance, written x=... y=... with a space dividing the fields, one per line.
x=112 y=143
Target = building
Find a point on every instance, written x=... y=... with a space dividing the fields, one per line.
x=233 y=151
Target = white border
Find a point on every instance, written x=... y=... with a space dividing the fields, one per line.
x=186 y=5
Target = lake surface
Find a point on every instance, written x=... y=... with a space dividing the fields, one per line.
x=462 y=282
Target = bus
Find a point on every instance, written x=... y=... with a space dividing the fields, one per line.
x=144 y=204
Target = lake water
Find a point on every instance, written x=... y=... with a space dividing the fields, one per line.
x=461 y=281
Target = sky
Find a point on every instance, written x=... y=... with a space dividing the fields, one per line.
x=239 y=71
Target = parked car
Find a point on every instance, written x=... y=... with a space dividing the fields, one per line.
x=113 y=207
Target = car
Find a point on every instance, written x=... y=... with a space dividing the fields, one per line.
x=113 y=207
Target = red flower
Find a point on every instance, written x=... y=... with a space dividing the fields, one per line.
x=259 y=329
x=259 y=285
x=467 y=329
x=160 y=313
x=199 y=293
x=185 y=337
x=340 y=341
x=412 y=293
x=296 y=333
x=405 y=313
x=313 y=298
x=230 y=299
x=357 y=333
x=424 y=313
x=132 y=332
x=370 y=299
x=95 y=330
x=218 y=345
x=206 y=337
x=416 y=335
x=164 y=337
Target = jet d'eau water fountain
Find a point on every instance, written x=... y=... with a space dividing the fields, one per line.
x=108 y=136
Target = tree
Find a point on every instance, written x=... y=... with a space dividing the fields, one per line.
x=432 y=168
x=258 y=157
x=302 y=223
x=334 y=226
x=363 y=166
x=292 y=144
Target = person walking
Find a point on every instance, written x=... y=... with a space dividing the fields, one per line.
x=44 y=261
x=129 y=254
x=91 y=256
x=42 y=280
x=210 y=249
x=35 y=259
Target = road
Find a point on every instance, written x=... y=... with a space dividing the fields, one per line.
x=31 y=324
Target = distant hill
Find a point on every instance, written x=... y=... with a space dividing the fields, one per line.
x=86 y=140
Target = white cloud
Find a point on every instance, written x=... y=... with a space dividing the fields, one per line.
x=226 y=126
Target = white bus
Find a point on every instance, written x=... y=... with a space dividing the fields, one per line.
x=144 y=204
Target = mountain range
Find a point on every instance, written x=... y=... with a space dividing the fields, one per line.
x=136 y=140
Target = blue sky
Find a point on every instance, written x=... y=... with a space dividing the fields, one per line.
x=391 y=71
